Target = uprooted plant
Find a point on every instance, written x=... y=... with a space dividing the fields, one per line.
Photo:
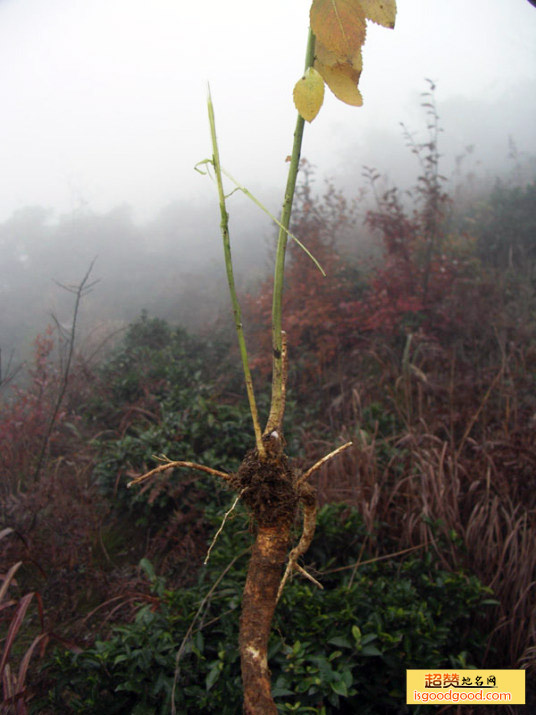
x=266 y=481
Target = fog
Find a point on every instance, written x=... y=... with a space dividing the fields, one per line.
x=169 y=266
x=104 y=118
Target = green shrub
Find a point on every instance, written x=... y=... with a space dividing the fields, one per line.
x=150 y=359
x=158 y=393
x=344 y=649
x=193 y=427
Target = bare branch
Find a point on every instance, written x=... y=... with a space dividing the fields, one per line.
x=80 y=291
x=10 y=373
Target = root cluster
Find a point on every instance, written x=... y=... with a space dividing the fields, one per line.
x=269 y=487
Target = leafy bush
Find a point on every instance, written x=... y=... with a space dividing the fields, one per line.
x=158 y=397
x=341 y=650
x=142 y=366
x=196 y=429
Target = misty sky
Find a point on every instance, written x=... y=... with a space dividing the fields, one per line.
x=103 y=101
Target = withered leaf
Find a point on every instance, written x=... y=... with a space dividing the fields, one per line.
x=342 y=79
x=339 y=25
x=383 y=12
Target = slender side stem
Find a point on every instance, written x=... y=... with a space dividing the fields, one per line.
x=277 y=371
x=230 y=279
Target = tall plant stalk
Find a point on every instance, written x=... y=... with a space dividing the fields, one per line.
x=277 y=402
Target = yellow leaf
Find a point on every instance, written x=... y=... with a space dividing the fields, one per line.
x=326 y=57
x=382 y=12
x=339 y=25
x=342 y=79
x=309 y=94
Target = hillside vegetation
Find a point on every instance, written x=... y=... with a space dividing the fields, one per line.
x=424 y=356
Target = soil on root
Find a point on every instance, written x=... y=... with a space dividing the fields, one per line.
x=269 y=486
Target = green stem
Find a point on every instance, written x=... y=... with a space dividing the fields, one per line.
x=224 y=225
x=277 y=406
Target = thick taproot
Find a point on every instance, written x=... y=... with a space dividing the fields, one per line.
x=268 y=557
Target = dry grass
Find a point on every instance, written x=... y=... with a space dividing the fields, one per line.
x=459 y=473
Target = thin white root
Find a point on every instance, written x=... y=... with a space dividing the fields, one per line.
x=205 y=562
